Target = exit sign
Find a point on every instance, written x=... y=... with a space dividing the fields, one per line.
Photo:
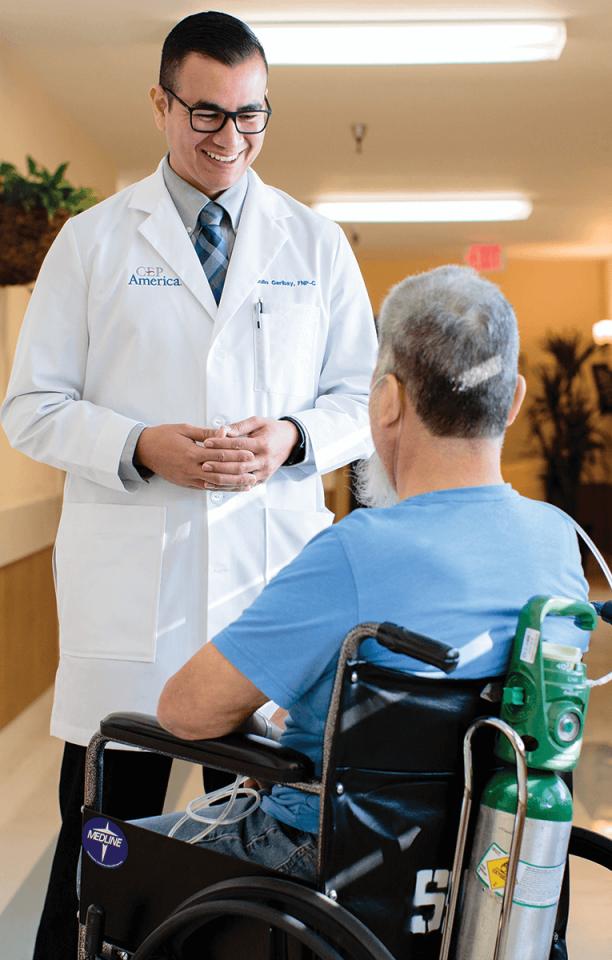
x=485 y=257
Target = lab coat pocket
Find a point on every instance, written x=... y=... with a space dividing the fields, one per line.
x=109 y=560
x=288 y=532
x=284 y=343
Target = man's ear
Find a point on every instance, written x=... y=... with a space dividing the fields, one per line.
x=519 y=396
x=159 y=101
x=390 y=400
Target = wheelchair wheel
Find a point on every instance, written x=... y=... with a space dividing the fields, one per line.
x=264 y=919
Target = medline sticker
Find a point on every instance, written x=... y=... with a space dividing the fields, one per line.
x=536 y=886
x=530 y=645
x=105 y=843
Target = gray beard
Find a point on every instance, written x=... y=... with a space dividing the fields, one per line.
x=372 y=485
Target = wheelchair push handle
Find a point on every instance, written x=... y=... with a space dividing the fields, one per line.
x=417 y=645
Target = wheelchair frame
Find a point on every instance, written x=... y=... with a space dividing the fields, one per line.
x=313 y=917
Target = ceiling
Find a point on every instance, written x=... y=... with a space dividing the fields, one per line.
x=544 y=129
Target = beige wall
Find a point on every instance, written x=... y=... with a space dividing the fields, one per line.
x=547 y=295
x=30 y=492
x=34 y=124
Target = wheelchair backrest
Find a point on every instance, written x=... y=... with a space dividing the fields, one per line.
x=392 y=800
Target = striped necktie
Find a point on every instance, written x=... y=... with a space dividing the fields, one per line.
x=211 y=247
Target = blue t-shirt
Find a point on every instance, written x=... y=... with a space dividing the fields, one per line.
x=456 y=565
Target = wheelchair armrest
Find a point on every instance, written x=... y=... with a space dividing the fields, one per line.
x=245 y=753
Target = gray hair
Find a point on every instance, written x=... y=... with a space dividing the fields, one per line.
x=452 y=339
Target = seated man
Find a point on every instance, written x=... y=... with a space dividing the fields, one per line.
x=455 y=557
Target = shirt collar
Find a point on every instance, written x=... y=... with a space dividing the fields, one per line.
x=188 y=200
x=493 y=491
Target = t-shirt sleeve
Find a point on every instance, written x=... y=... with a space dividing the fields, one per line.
x=286 y=639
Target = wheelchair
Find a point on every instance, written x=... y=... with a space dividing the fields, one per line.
x=390 y=796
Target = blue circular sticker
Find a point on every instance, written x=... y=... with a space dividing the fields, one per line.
x=104 y=842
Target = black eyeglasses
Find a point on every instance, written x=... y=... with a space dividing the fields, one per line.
x=210 y=119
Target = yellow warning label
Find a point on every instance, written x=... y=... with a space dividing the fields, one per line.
x=498 y=871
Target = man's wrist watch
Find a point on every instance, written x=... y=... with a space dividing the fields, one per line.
x=298 y=453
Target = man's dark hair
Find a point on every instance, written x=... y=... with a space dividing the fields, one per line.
x=212 y=34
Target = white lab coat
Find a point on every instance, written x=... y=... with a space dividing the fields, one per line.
x=146 y=572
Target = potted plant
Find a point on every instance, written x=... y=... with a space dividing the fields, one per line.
x=32 y=210
x=564 y=418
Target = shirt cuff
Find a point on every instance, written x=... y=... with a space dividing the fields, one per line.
x=128 y=470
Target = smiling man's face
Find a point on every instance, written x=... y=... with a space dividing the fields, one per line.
x=212 y=162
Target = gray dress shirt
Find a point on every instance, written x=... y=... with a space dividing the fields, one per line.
x=189 y=201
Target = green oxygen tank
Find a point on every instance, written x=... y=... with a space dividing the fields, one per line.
x=545 y=699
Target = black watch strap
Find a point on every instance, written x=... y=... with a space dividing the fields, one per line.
x=298 y=453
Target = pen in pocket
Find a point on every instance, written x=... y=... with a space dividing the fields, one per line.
x=261 y=347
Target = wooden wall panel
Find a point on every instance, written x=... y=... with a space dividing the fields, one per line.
x=337 y=487
x=28 y=632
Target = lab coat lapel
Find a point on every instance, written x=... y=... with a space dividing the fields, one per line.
x=260 y=236
x=165 y=231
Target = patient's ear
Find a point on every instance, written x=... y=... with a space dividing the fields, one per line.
x=390 y=400
x=519 y=396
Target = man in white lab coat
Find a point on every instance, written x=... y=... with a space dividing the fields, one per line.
x=173 y=329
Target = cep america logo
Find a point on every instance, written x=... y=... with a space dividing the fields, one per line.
x=105 y=843
x=152 y=277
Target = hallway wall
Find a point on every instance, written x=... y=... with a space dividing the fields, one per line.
x=30 y=493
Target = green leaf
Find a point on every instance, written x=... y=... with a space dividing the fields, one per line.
x=59 y=173
x=43 y=189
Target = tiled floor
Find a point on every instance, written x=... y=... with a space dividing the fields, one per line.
x=29 y=760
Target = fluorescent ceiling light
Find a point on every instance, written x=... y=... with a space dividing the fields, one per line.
x=426 y=210
x=415 y=42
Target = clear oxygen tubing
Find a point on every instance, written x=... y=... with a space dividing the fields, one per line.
x=594 y=550
x=604 y=568
x=223 y=816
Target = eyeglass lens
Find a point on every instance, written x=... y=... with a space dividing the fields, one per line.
x=208 y=121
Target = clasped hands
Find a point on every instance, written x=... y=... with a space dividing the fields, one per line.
x=232 y=458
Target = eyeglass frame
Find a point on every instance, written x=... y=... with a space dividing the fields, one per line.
x=227 y=114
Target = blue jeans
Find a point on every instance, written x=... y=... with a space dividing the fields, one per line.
x=258 y=837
